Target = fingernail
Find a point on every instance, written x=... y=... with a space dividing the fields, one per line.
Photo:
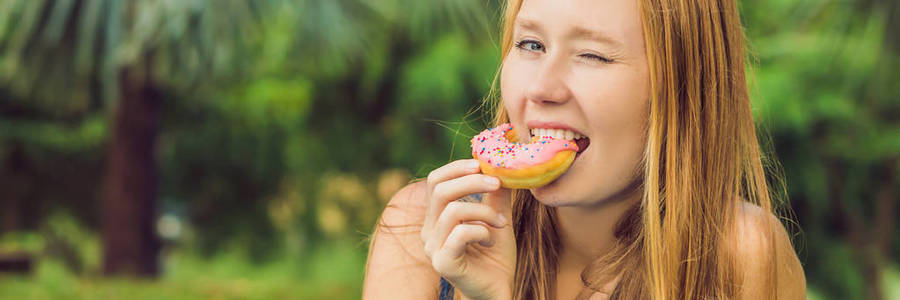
x=493 y=181
x=474 y=164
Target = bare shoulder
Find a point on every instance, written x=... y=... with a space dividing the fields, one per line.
x=406 y=208
x=765 y=255
x=397 y=267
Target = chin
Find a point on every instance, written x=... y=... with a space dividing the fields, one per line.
x=567 y=190
x=564 y=191
x=555 y=201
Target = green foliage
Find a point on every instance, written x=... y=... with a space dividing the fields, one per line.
x=332 y=271
x=85 y=135
x=287 y=125
x=825 y=91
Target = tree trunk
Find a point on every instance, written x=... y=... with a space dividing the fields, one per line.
x=130 y=244
x=13 y=187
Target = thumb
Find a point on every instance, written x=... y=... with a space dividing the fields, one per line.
x=501 y=201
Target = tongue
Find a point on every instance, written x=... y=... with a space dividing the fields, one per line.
x=582 y=143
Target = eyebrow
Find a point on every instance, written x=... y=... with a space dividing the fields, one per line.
x=577 y=32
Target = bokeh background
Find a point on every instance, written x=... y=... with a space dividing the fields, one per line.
x=241 y=149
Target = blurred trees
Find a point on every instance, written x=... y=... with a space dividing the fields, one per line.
x=125 y=53
x=277 y=126
x=235 y=76
x=828 y=93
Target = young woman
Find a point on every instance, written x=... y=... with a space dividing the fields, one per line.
x=668 y=201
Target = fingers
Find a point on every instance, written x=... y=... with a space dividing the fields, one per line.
x=456 y=213
x=452 y=170
x=449 y=190
x=500 y=200
x=457 y=188
x=449 y=171
x=447 y=260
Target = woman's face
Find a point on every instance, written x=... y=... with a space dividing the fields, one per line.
x=581 y=65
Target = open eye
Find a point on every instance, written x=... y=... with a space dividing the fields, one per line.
x=530 y=45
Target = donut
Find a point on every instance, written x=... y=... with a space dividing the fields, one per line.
x=520 y=165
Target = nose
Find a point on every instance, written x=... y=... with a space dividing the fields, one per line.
x=549 y=86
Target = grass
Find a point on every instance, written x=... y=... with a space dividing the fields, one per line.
x=332 y=271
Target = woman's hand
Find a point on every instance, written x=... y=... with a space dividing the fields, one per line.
x=470 y=244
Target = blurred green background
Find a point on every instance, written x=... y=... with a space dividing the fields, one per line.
x=244 y=149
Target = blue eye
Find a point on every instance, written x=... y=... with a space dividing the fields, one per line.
x=530 y=45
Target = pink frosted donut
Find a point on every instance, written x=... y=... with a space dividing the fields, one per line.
x=521 y=166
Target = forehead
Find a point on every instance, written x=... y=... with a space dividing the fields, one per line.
x=617 y=19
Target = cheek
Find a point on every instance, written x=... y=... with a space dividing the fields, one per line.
x=616 y=100
x=512 y=88
x=617 y=112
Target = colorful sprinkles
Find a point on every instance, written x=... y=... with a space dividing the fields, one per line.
x=493 y=147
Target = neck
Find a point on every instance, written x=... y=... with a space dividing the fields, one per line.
x=586 y=233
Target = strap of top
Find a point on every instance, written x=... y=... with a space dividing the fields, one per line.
x=446 y=290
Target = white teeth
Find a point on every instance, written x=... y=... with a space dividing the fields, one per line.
x=556 y=133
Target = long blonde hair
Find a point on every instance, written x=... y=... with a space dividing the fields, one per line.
x=702 y=158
